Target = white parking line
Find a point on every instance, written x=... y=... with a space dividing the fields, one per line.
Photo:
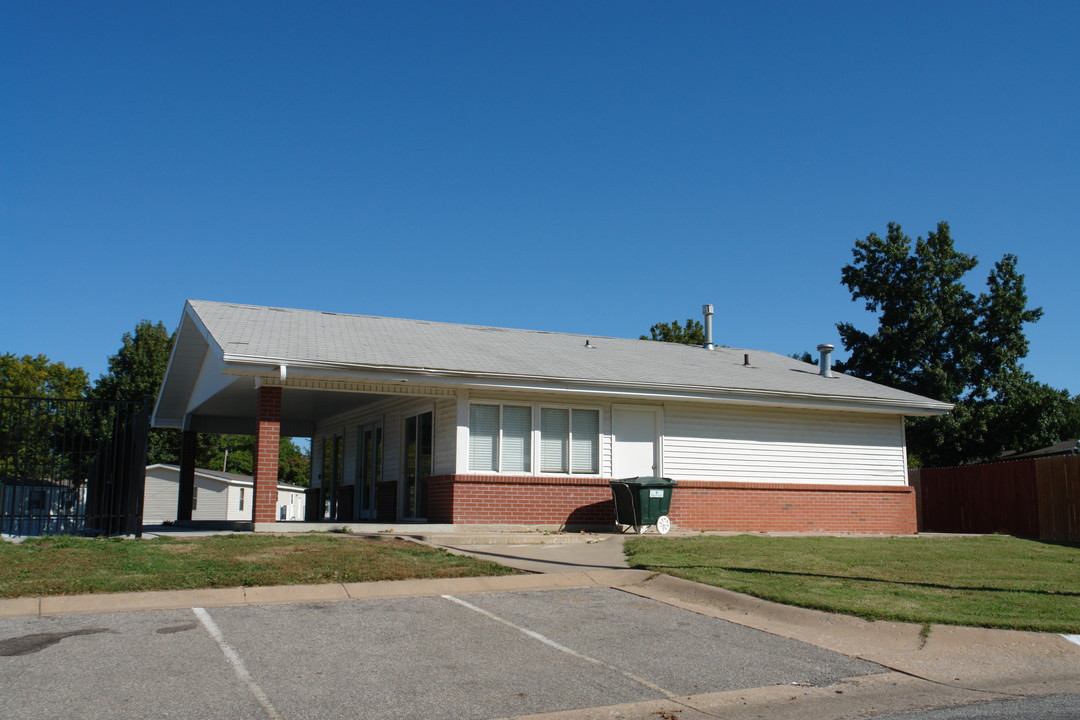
x=238 y=665
x=562 y=648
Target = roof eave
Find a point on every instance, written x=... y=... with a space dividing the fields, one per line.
x=270 y=369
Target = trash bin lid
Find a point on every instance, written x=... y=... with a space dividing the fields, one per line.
x=648 y=481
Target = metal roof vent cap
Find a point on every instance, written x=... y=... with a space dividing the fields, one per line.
x=825 y=365
x=707 y=311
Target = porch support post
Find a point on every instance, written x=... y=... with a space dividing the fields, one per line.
x=267 y=436
x=186 y=496
x=461 y=456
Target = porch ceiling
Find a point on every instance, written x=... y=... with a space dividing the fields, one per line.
x=232 y=410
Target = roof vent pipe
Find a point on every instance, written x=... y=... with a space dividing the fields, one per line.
x=708 y=312
x=825 y=365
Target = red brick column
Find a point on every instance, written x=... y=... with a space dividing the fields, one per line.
x=267 y=436
x=186 y=495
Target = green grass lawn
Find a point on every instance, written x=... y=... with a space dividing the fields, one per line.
x=994 y=581
x=62 y=565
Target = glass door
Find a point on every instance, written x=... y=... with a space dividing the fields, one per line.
x=331 y=475
x=369 y=469
x=418 y=463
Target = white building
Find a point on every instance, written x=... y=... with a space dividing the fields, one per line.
x=218 y=496
x=413 y=420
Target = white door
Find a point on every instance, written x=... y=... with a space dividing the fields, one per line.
x=634 y=435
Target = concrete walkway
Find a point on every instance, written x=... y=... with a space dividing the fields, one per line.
x=569 y=553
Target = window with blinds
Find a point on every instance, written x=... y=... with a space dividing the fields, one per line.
x=484 y=438
x=516 y=439
x=569 y=440
x=585 y=441
x=500 y=438
x=554 y=440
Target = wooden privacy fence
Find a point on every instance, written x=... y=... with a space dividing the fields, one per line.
x=1034 y=497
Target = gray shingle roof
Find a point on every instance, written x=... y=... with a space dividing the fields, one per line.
x=305 y=338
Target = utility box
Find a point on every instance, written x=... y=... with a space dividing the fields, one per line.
x=643 y=501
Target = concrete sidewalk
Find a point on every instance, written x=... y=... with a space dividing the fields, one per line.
x=566 y=553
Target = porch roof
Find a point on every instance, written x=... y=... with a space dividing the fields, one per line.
x=220 y=347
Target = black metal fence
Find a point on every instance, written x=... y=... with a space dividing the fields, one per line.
x=72 y=466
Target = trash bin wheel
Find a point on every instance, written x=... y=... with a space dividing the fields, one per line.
x=641 y=529
x=663 y=524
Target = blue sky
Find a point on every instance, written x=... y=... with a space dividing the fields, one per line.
x=587 y=167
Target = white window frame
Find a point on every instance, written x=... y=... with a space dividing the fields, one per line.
x=570 y=439
x=499 y=438
x=535 y=437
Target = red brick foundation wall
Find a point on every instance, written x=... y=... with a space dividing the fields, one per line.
x=440 y=499
x=520 y=500
x=766 y=507
x=696 y=505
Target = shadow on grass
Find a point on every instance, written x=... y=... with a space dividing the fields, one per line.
x=790 y=573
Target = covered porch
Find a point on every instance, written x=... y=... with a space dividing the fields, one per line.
x=372 y=429
x=348 y=479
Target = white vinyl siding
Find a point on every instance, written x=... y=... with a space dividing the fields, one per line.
x=160 y=495
x=706 y=442
x=391 y=410
x=218 y=498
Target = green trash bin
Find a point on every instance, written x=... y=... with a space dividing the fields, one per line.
x=643 y=501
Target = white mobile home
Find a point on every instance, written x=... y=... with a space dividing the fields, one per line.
x=217 y=496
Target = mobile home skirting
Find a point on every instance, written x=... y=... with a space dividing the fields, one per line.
x=696 y=504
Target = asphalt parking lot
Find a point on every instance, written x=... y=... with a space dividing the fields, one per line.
x=486 y=655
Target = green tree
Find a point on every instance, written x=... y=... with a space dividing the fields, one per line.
x=228 y=453
x=137 y=368
x=236 y=454
x=693 y=333
x=37 y=376
x=33 y=434
x=1029 y=415
x=926 y=323
x=938 y=339
x=1072 y=420
x=295 y=464
x=136 y=372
